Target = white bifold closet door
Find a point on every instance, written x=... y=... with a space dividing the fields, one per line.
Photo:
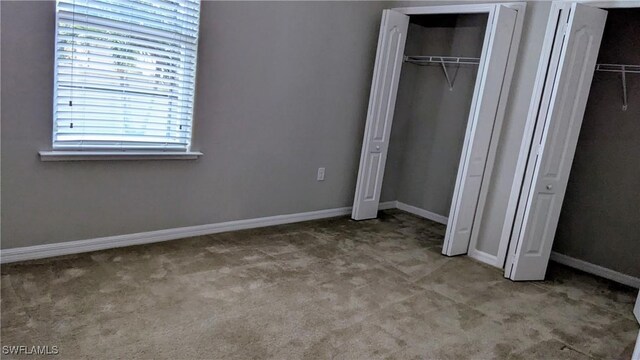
x=484 y=119
x=551 y=155
x=382 y=102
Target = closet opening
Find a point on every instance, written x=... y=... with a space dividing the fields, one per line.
x=435 y=95
x=579 y=199
x=599 y=222
x=442 y=75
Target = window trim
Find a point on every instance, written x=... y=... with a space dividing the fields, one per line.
x=57 y=154
x=74 y=155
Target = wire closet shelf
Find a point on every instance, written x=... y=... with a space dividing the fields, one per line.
x=428 y=60
x=623 y=70
x=437 y=60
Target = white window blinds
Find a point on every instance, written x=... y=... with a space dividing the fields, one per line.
x=125 y=74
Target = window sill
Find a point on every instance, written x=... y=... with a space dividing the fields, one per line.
x=117 y=155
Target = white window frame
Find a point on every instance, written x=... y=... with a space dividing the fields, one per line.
x=113 y=154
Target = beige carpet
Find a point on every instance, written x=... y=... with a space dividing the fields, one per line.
x=325 y=289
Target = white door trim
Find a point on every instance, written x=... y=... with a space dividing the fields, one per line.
x=611 y=4
x=448 y=9
x=636 y=309
x=459 y=9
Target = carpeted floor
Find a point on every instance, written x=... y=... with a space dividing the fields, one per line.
x=324 y=289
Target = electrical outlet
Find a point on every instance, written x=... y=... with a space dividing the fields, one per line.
x=320 y=174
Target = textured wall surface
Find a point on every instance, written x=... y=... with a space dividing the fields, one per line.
x=282 y=90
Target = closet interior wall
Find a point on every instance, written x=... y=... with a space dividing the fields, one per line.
x=430 y=119
x=600 y=218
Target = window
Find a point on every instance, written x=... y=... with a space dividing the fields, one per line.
x=125 y=74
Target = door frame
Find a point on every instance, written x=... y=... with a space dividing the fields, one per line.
x=490 y=9
x=513 y=222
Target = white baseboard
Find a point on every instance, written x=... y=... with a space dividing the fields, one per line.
x=596 y=269
x=110 y=242
x=484 y=257
x=387 y=205
x=422 y=213
x=473 y=253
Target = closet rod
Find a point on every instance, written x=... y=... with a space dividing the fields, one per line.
x=622 y=69
x=432 y=60
x=632 y=69
x=423 y=60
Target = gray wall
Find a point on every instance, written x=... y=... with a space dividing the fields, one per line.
x=282 y=90
x=600 y=218
x=431 y=119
